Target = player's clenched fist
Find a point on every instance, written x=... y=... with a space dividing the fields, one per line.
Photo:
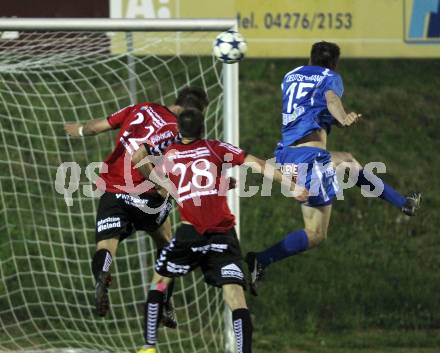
x=72 y=129
x=351 y=118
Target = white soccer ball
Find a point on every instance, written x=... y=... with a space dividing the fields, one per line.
x=229 y=47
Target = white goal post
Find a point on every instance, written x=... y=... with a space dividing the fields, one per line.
x=229 y=133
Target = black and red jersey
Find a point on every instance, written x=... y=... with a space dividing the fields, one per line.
x=149 y=124
x=197 y=170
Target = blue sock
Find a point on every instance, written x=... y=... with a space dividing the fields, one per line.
x=292 y=244
x=388 y=193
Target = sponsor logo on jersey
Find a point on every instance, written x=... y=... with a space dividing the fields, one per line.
x=131 y=200
x=288 y=118
x=109 y=222
x=232 y=271
x=290 y=170
x=162 y=146
x=330 y=172
x=211 y=247
x=163 y=136
x=301 y=78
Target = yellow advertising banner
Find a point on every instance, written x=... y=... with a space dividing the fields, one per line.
x=287 y=28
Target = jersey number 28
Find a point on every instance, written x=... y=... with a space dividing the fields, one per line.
x=202 y=171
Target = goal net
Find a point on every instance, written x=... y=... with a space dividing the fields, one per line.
x=48 y=78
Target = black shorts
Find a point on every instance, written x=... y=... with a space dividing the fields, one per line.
x=118 y=215
x=217 y=254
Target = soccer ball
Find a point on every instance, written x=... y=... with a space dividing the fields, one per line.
x=229 y=47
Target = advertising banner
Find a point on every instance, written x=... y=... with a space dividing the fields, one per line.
x=276 y=28
x=287 y=28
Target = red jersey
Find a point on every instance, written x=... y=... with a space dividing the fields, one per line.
x=145 y=123
x=197 y=171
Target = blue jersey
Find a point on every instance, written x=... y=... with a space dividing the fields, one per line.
x=304 y=104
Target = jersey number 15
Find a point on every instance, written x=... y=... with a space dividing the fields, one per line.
x=303 y=89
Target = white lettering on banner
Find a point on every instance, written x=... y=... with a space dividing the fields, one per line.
x=139 y=9
x=142 y=8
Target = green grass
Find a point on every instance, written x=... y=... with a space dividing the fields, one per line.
x=371 y=287
x=377 y=341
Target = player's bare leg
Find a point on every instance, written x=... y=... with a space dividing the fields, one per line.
x=233 y=295
x=109 y=244
x=316 y=221
x=162 y=236
x=153 y=311
x=105 y=252
x=407 y=204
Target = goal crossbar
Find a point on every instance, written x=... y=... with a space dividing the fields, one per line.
x=116 y=24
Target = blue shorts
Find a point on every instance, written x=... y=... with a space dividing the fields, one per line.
x=312 y=168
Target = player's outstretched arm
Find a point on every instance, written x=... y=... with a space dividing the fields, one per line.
x=89 y=128
x=335 y=107
x=269 y=171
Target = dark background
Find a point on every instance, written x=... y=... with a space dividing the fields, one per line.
x=55 y=8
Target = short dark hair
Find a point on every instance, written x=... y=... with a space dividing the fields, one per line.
x=192 y=97
x=191 y=123
x=325 y=54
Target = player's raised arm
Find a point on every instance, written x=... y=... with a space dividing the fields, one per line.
x=97 y=126
x=89 y=128
x=335 y=107
x=267 y=170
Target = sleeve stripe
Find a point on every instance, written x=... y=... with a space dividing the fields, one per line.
x=231 y=148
